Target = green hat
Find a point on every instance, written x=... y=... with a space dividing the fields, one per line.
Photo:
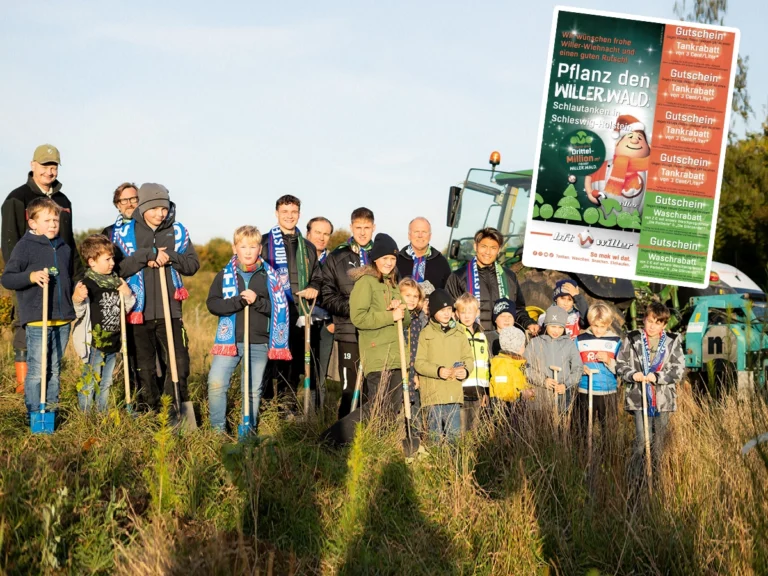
x=46 y=153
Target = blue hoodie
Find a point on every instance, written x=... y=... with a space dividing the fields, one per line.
x=32 y=253
x=604 y=382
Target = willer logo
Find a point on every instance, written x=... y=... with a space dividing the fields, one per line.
x=585 y=239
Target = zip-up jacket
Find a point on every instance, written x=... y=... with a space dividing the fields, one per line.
x=32 y=253
x=260 y=310
x=336 y=289
x=476 y=385
x=604 y=382
x=441 y=348
x=436 y=268
x=545 y=351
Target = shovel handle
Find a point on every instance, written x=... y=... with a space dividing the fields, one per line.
x=169 y=335
x=246 y=360
x=404 y=370
x=124 y=351
x=44 y=348
x=646 y=432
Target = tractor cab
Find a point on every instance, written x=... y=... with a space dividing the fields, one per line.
x=488 y=198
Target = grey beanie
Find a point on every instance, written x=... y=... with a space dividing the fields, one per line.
x=512 y=340
x=555 y=316
x=152 y=196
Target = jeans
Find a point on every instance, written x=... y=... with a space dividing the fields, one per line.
x=219 y=378
x=657 y=433
x=97 y=373
x=58 y=336
x=444 y=420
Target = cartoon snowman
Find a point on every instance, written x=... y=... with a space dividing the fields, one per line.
x=624 y=177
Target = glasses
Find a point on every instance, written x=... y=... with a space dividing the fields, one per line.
x=133 y=200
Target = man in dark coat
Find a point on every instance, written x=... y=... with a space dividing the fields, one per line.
x=41 y=181
x=487 y=280
x=421 y=261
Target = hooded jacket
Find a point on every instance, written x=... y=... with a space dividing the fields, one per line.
x=508 y=376
x=32 y=253
x=436 y=271
x=476 y=385
x=336 y=289
x=14 y=219
x=545 y=351
x=378 y=337
x=589 y=345
x=489 y=293
x=148 y=241
x=439 y=348
x=630 y=361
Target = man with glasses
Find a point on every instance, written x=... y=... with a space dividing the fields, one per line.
x=42 y=181
x=125 y=199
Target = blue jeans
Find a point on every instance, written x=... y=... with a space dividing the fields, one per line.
x=58 y=336
x=97 y=373
x=444 y=420
x=219 y=378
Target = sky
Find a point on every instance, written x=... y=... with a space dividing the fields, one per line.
x=343 y=104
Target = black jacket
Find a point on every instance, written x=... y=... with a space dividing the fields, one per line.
x=33 y=253
x=314 y=278
x=437 y=269
x=489 y=293
x=337 y=286
x=260 y=310
x=147 y=243
x=14 y=216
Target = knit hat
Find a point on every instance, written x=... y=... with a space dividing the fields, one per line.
x=511 y=339
x=555 y=316
x=152 y=196
x=558 y=291
x=383 y=245
x=438 y=300
x=626 y=124
x=501 y=306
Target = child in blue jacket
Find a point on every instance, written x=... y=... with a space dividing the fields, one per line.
x=42 y=257
x=598 y=347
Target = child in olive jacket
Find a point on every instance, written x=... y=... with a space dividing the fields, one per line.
x=375 y=306
x=442 y=362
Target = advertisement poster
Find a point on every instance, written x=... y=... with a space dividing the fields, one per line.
x=631 y=147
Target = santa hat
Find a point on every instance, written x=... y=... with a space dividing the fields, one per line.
x=626 y=124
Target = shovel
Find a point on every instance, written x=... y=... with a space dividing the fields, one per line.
x=42 y=422
x=307 y=352
x=409 y=445
x=358 y=387
x=647 y=439
x=556 y=372
x=590 y=373
x=124 y=351
x=186 y=411
x=244 y=429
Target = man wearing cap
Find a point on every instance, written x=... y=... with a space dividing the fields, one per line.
x=41 y=181
x=421 y=261
x=153 y=240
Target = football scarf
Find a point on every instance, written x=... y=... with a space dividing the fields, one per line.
x=125 y=239
x=419 y=263
x=225 y=343
x=655 y=367
x=278 y=260
x=473 y=280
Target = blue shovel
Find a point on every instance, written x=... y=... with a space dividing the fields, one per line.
x=42 y=422
x=244 y=429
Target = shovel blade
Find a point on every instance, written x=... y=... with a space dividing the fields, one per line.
x=42 y=422
x=410 y=446
x=188 y=418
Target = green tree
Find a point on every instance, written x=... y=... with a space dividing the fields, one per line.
x=338 y=237
x=214 y=255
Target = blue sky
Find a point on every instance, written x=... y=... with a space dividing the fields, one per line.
x=232 y=104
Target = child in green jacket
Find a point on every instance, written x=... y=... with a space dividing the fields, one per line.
x=442 y=362
x=375 y=306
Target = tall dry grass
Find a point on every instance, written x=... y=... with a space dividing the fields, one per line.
x=514 y=497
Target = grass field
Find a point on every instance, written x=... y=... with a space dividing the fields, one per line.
x=122 y=495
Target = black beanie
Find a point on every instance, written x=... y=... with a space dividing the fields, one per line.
x=438 y=300
x=383 y=245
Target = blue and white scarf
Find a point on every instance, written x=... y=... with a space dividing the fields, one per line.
x=125 y=238
x=323 y=256
x=419 y=263
x=655 y=366
x=226 y=343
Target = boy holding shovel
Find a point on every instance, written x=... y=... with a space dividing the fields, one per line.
x=651 y=363
x=150 y=244
x=42 y=258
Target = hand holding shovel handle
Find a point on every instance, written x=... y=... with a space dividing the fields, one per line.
x=307 y=311
x=42 y=422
